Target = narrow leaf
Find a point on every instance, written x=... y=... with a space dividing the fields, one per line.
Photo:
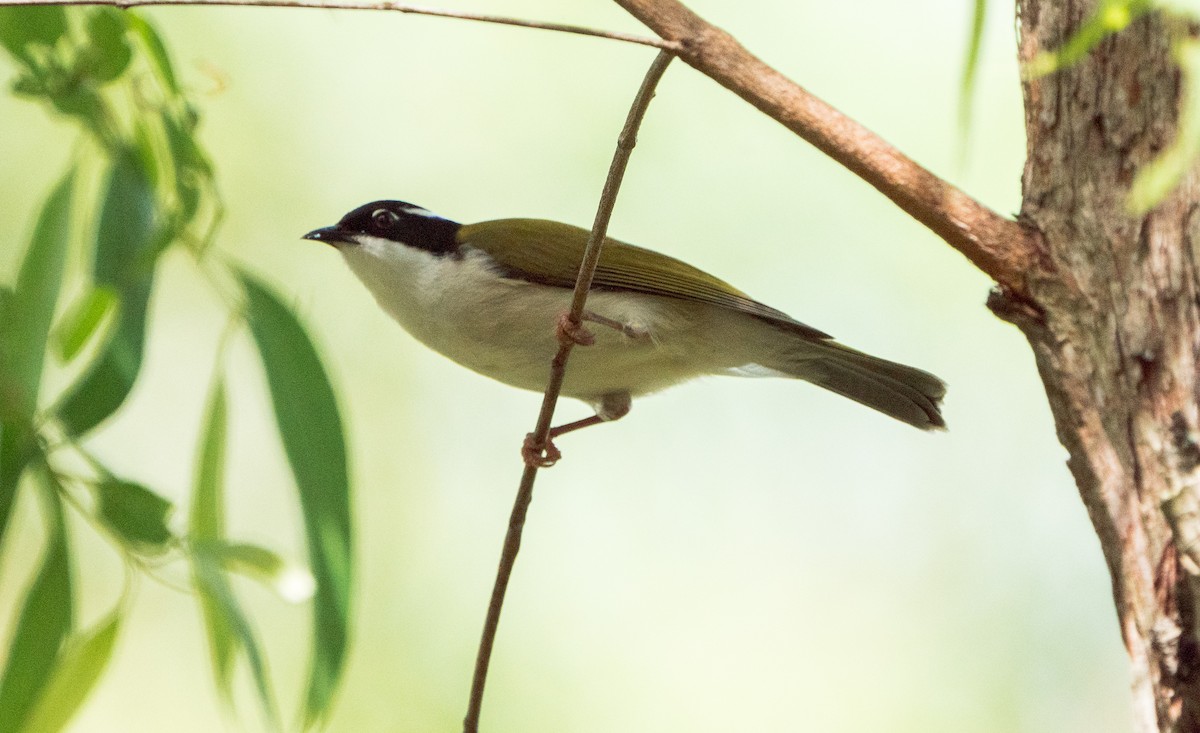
x=229 y=628
x=207 y=516
x=123 y=261
x=16 y=448
x=30 y=310
x=82 y=320
x=1160 y=176
x=83 y=659
x=206 y=525
x=155 y=49
x=136 y=514
x=966 y=92
x=311 y=430
x=44 y=622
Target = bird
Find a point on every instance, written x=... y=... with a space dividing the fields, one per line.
x=493 y=296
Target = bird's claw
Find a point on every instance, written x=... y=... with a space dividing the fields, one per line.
x=570 y=331
x=541 y=455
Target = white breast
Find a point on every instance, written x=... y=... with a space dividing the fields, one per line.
x=505 y=328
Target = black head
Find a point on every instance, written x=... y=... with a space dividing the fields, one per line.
x=397 y=221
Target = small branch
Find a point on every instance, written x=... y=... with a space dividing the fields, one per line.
x=1000 y=247
x=396 y=7
x=541 y=433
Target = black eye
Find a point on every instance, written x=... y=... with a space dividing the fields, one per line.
x=382 y=219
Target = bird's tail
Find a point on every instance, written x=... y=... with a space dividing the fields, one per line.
x=903 y=392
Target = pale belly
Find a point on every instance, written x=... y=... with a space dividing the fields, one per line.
x=512 y=338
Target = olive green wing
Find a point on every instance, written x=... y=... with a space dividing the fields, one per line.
x=548 y=252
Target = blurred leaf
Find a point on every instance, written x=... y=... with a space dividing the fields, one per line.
x=966 y=90
x=44 y=622
x=161 y=60
x=79 y=100
x=293 y=584
x=108 y=53
x=1160 y=176
x=20 y=27
x=206 y=524
x=1111 y=16
x=79 y=666
x=135 y=513
x=207 y=517
x=229 y=630
x=16 y=448
x=123 y=261
x=83 y=319
x=30 y=311
x=311 y=429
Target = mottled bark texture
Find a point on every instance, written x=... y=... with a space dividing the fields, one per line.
x=1111 y=311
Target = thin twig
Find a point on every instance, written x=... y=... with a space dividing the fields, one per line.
x=1000 y=247
x=395 y=7
x=587 y=269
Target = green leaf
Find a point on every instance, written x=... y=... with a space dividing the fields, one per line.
x=44 y=622
x=155 y=49
x=291 y=583
x=206 y=519
x=1111 y=16
x=227 y=627
x=966 y=90
x=1155 y=181
x=135 y=513
x=20 y=27
x=16 y=448
x=79 y=666
x=229 y=631
x=83 y=319
x=30 y=311
x=124 y=261
x=311 y=429
x=108 y=54
x=206 y=524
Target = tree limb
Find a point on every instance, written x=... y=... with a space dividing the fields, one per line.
x=1000 y=247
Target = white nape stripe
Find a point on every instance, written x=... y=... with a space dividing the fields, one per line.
x=418 y=211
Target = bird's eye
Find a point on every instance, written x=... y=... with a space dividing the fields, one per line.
x=383 y=219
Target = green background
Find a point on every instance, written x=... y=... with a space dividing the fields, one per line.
x=735 y=555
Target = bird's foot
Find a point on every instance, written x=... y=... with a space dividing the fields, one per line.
x=573 y=332
x=540 y=455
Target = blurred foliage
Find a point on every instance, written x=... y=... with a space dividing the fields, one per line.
x=138 y=169
x=1158 y=178
x=966 y=90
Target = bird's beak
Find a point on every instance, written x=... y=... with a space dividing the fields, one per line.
x=332 y=236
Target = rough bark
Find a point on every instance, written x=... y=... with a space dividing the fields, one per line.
x=1111 y=312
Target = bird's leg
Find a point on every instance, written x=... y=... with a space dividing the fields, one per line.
x=612 y=406
x=570 y=332
x=628 y=329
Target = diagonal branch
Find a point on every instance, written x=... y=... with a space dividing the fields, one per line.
x=541 y=433
x=1000 y=247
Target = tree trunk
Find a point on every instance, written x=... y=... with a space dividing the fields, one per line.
x=1111 y=312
